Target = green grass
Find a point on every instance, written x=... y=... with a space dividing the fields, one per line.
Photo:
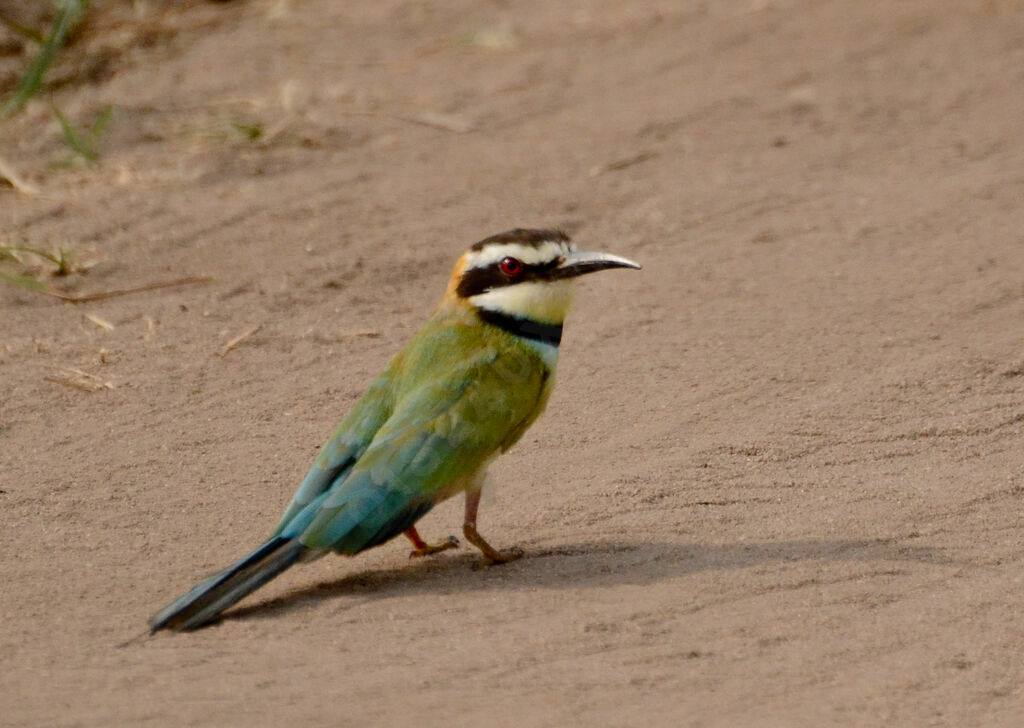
x=247 y=131
x=21 y=30
x=22 y=280
x=61 y=261
x=69 y=13
x=84 y=144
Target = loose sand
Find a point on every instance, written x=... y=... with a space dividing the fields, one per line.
x=779 y=483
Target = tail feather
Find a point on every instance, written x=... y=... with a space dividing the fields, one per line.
x=203 y=602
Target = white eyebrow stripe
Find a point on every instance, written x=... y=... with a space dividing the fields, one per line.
x=529 y=254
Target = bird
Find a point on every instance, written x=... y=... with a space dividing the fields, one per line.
x=462 y=391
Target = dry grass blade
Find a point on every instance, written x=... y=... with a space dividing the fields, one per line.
x=447 y=122
x=102 y=323
x=435 y=120
x=71 y=377
x=228 y=347
x=622 y=163
x=103 y=295
x=8 y=173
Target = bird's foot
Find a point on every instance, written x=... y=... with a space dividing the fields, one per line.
x=499 y=557
x=491 y=555
x=426 y=549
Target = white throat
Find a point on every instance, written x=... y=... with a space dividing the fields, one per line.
x=541 y=301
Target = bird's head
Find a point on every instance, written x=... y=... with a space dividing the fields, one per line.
x=526 y=274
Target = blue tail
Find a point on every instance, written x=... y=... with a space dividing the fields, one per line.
x=206 y=600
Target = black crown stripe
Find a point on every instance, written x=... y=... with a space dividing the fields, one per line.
x=531 y=238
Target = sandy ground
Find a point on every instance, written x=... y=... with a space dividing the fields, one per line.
x=779 y=483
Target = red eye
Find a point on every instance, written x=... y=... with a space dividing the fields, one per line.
x=511 y=266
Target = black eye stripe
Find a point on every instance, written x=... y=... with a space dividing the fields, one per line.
x=477 y=280
x=480 y=280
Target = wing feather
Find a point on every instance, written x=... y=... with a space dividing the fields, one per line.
x=438 y=433
x=348 y=441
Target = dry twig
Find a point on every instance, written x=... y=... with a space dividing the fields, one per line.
x=238 y=340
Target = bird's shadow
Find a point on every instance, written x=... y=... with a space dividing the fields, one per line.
x=584 y=565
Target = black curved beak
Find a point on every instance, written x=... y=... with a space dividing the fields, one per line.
x=581 y=262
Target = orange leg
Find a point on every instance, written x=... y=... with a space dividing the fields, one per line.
x=492 y=555
x=422 y=548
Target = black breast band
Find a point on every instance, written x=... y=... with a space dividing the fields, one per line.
x=544 y=333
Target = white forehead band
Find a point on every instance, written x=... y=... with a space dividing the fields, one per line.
x=529 y=254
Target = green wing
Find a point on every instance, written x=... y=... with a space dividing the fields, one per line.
x=348 y=441
x=442 y=429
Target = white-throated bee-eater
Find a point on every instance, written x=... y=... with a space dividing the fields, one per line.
x=462 y=391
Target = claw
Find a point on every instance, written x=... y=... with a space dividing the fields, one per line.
x=503 y=557
x=428 y=549
x=491 y=554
